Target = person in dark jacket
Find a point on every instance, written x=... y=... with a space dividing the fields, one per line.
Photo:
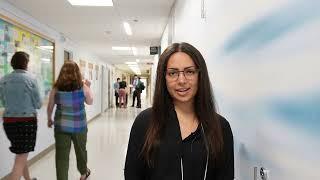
x=116 y=91
x=139 y=89
x=182 y=137
x=122 y=93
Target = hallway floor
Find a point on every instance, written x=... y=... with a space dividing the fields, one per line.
x=108 y=137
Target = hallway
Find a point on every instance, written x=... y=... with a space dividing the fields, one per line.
x=108 y=137
x=261 y=58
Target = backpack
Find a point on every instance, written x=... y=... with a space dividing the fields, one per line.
x=141 y=86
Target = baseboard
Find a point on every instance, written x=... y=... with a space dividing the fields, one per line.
x=41 y=155
x=94 y=118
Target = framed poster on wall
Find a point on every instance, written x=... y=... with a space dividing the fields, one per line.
x=83 y=65
x=90 y=66
x=16 y=37
x=97 y=71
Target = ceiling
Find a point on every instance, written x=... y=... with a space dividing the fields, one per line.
x=99 y=28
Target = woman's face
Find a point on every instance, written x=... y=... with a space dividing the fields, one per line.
x=181 y=78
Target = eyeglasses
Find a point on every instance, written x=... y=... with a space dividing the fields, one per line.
x=189 y=74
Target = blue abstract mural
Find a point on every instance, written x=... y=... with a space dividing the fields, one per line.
x=275 y=25
x=263 y=61
x=270 y=89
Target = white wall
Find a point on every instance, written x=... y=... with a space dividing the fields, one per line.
x=262 y=57
x=165 y=39
x=45 y=135
x=107 y=88
x=153 y=75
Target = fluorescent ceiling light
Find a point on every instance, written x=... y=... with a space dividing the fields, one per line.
x=134 y=67
x=119 y=48
x=91 y=2
x=129 y=62
x=137 y=60
x=134 y=51
x=127 y=28
x=135 y=70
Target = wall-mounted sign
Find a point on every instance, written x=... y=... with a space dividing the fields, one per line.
x=154 y=50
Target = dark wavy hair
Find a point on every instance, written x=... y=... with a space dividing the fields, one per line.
x=69 y=78
x=20 y=60
x=204 y=104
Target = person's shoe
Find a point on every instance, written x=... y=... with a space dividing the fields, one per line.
x=132 y=105
x=33 y=178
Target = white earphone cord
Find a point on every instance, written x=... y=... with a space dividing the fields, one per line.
x=207 y=161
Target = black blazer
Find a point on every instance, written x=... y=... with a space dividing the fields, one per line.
x=167 y=158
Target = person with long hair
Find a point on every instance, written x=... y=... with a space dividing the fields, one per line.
x=181 y=136
x=19 y=94
x=69 y=93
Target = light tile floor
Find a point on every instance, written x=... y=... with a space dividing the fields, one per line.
x=107 y=144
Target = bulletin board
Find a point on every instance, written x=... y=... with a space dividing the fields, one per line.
x=16 y=37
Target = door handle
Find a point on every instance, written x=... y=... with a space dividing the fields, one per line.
x=264 y=173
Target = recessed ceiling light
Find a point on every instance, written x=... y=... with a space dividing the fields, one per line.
x=121 y=48
x=91 y=2
x=127 y=28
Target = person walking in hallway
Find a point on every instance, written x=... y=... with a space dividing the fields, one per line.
x=134 y=85
x=19 y=94
x=116 y=91
x=69 y=93
x=139 y=88
x=181 y=137
x=123 y=93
